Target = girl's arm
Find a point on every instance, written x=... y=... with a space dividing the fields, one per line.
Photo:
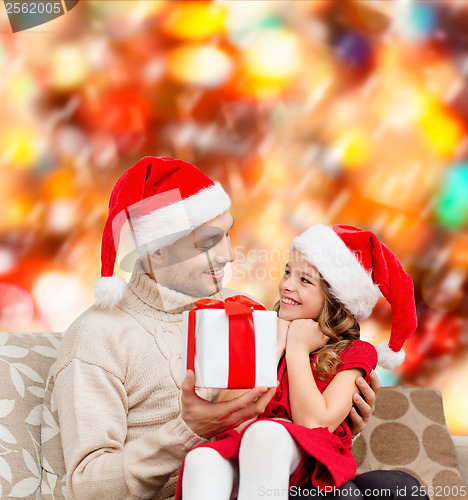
x=309 y=407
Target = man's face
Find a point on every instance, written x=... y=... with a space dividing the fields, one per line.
x=195 y=263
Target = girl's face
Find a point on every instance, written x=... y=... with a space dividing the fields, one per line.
x=300 y=290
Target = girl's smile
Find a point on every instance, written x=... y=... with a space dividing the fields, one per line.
x=287 y=301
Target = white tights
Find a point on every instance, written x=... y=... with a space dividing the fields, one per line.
x=268 y=456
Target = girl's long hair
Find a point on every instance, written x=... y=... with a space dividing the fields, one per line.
x=337 y=323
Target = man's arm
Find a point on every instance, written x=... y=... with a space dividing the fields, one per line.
x=100 y=462
x=364 y=403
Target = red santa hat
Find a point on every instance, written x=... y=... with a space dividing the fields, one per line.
x=359 y=270
x=162 y=199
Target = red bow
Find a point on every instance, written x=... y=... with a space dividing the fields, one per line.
x=239 y=309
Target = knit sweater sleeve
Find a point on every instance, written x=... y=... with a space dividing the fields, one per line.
x=92 y=406
x=119 y=407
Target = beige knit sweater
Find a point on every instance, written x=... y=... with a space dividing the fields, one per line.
x=117 y=390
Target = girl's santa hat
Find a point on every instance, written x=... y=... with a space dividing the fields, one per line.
x=359 y=270
x=162 y=199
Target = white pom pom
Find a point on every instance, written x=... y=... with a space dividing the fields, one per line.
x=388 y=358
x=109 y=291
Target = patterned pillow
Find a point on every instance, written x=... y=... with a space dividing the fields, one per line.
x=53 y=465
x=461 y=445
x=408 y=432
x=25 y=359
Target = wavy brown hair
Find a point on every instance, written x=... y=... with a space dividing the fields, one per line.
x=337 y=323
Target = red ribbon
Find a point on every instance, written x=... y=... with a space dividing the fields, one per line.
x=239 y=309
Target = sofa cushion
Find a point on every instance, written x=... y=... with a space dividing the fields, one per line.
x=408 y=432
x=53 y=465
x=461 y=446
x=25 y=360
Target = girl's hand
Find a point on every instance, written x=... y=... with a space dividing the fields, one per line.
x=305 y=336
x=283 y=326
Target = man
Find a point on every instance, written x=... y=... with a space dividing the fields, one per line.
x=126 y=417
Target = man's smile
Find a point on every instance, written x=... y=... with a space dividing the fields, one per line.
x=216 y=274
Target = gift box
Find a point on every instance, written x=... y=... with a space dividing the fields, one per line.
x=230 y=344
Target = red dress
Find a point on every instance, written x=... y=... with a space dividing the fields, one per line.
x=328 y=460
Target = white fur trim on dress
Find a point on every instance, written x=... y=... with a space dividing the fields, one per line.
x=349 y=282
x=109 y=290
x=388 y=358
x=166 y=225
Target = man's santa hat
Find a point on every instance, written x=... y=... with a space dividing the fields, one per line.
x=359 y=270
x=162 y=199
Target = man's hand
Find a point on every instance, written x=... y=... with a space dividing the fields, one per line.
x=365 y=403
x=207 y=419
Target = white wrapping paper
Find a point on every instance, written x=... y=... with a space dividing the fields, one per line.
x=212 y=347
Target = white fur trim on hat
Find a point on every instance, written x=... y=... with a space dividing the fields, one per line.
x=349 y=282
x=166 y=225
x=109 y=290
x=388 y=358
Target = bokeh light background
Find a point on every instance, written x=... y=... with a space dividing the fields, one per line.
x=349 y=112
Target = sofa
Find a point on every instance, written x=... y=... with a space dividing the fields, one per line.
x=407 y=431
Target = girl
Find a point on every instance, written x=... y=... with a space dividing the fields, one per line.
x=334 y=278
